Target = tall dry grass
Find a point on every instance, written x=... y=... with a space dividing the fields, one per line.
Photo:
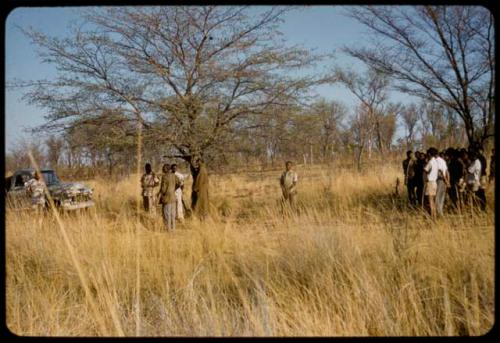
x=353 y=262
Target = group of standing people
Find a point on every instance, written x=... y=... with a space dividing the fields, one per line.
x=170 y=192
x=459 y=173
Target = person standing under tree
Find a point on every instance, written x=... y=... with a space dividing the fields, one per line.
x=481 y=192
x=178 y=193
x=288 y=182
x=199 y=195
x=431 y=170
x=473 y=178
x=456 y=171
x=167 y=197
x=148 y=182
x=443 y=182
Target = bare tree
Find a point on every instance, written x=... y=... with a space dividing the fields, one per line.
x=55 y=147
x=329 y=115
x=201 y=68
x=410 y=117
x=441 y=53
x=432 y=120
x=387 y=124
x=360 y=127
x=17 y=156
x=371 y=90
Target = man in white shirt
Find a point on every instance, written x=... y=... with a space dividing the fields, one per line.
x=473 y=174
x=178 y=193
x=443 y=182
x=431 y=169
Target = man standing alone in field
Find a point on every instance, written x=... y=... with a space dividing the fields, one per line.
x=167 y=197
x=409 y=177
x=431 y=169
x=288 y=182
x=148 y=182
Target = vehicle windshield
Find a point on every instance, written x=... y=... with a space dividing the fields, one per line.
x=50 y=177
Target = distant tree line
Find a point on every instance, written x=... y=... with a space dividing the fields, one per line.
x=217 y=83
x=324 y=132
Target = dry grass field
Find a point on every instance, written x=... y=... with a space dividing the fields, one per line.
x=353 y=262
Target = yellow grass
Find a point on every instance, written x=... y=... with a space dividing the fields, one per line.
x=353 y=262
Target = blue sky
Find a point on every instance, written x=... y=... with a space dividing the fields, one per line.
x=323 y=28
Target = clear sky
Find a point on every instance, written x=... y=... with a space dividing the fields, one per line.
x=322 y=28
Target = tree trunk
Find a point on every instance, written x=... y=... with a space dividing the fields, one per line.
x=358 y=158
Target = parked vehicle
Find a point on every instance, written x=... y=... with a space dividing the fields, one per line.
x=66 y=195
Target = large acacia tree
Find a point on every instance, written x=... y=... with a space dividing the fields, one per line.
x=199 y=69
x=439 y=53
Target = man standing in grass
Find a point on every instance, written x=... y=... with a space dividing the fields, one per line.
x=178 y=193
x=456 y=171
x=481 y=193
x=419 y=177
x=473 y=177
x=36 y=189
x=199 y=195
x=443 y=182
x=431 y=170
x=148 y=182
x=167 y=197
x=409 y=177
x=288 y=182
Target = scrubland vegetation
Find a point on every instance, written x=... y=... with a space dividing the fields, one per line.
x=354 y=261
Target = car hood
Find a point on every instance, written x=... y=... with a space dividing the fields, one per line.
x=70 y=187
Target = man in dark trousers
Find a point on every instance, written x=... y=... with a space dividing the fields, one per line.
x=418 y=178
x=409 y=177
x=456 y=170
x=199 y=194
x=481 y=192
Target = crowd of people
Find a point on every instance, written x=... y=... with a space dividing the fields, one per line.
x=458 y=174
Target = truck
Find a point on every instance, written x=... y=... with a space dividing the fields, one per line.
x=67 y=196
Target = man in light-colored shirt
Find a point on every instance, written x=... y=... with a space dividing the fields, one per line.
x=148 y=183
x=178 y=193
x=167 y=196
x=288 y=182
x=474 y=170
x=430 y=188
x=37 y=190
x=443 y=182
